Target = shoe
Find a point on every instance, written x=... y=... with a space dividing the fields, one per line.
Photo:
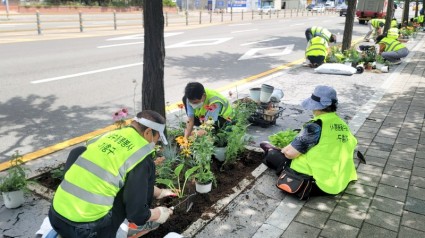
x=396 y=62
x=266 y=146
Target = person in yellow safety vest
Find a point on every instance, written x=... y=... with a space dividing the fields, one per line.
x=394 y=23
x=202 y=104
x=111 y=180
x=323 y=149
x=320 y=31
x=375 y=28
x=316 y=51
x=391 y=49
x=393 y=33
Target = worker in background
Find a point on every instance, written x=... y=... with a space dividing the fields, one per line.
x=393 y=32
x=320 y=31
x=375 y=28
x=316 y=51
x=391 y=49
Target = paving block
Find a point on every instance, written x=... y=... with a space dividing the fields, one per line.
x=338 y=229
x=384 y=140
x=395 y=181
x=369 y=230
x=370 y=169
x=360 y=190
x=397 y=171
x=312 y=217
x=368 y=135
x=368 y=129
x=402 y=162
x=368 y=179
x=403 y=147
x=321 y=203
x=402 y=154
x=411 y=233
x=373 y=160
x=353 y=202
x=299 y=230
x=268 y=231
x=417 y=181
x=418 y=171
x=416 y=192
x=383 y=219
x=413 y=220
x=387 y=205
x=364 y=141
x=391 y=192
x=285 y=212
x=407 y=141
x=388 y=131
x=377 y=153
x=419 y=162
x=348 y=216
x=415 y=205
x=370 y=123
x=380 y=146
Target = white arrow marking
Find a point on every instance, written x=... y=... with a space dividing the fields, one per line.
x=255 y=42
x=299 y=24
x=278 y=51
x=140 y=36
x=203 y=42
x=131 y=43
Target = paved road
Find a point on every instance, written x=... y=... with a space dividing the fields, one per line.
x=55 y=90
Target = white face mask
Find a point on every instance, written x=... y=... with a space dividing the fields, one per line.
x=196 y=106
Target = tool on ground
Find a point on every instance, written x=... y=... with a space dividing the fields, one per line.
x=188 y=201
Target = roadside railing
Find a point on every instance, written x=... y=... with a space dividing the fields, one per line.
x=83 y=22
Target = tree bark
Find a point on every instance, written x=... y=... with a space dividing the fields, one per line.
x=417 y=6
x=405 y=19
x=349 y=21
x=388 y=18
x=153 y=57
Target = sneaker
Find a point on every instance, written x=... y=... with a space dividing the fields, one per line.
x=396 y=62
x=266 y=146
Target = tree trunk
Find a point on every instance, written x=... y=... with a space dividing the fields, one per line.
x=153 y=57
x=348 y=29
x=388 y=18
x=417 y=6
x=405 y=19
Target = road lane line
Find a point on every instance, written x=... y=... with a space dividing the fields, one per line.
x=255 y=42
x=242 y=24
x=298 y=24
x=243 y=31
x=85 y=73
x=123 y=44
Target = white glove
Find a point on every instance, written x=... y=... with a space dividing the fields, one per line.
x=165 y=213
x=166 y=193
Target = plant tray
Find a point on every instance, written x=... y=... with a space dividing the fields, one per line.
x=265 y=117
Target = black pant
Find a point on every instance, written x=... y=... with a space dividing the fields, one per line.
x=276 y=160
x=316 y=59
x=218 y=124
x=106 y=226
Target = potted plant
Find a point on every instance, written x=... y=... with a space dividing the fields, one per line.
x=220 y=142
x=204 y=179
x=14 y=183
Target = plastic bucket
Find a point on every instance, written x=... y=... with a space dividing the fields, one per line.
x=266 y=92
x=276 y=95
x=255 y=93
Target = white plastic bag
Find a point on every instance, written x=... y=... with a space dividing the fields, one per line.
x=341 y=69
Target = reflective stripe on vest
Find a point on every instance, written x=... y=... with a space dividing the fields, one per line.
x=420 y=18
x=317 y=47
x=330 y=162
x=320 y=31
x=391 y=44
x=212 y=97
x=393 y=33
x=375 y=22
x=394 y=23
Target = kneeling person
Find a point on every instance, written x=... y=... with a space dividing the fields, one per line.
x=391 y=49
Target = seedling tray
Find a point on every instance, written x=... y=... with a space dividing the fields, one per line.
x=265 y=117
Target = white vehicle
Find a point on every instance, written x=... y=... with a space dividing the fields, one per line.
x=318 y=8
x=329 y=5
x=267 y=10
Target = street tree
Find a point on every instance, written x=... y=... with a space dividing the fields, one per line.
x=405 y=18
x=153 y=57
x=349 y=21
x=390 y=13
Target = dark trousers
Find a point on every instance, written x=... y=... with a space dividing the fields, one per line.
x=276 y=160
x=218 y=124
x=106 y=226
x=316 y=59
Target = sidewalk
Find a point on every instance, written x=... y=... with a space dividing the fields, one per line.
x=386 y=201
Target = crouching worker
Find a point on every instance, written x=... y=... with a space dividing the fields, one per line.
x=391 y=49
x=320 y=31
x=323 y=150
x=112 y=180
x=316 y=51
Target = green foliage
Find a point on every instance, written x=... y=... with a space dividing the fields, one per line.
x=353 y=55
x=15 y=178
x=335 y=56
x=171 y=183
x=168 y=3
x=203 y=149
x=205 y=176
x=283 y=138
x=58 y=173
x=171 y=158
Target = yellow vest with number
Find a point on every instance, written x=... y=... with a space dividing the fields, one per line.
x=330 y=162
x=320 y=31
x=375 y=22
x=393 y=33
x=317 y=47
x=212 y=97
x=391 y=44
x=90 y=185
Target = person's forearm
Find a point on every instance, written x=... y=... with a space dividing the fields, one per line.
x=155 y=213
x=189 y=127
x=156 y=191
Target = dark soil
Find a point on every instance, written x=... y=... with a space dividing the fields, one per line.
x=227 y=179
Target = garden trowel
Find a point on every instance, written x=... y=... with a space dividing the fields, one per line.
x=188 y=202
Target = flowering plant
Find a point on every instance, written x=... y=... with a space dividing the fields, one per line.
x=119 y=118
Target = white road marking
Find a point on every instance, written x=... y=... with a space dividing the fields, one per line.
x=191 y=43
x=123 y=44
x=140 y=36
x=233 y=32
x=327 y=21
x=298 y=24
x=281 y=50
x=251 y=43
x=85 y=73
x=242 y=24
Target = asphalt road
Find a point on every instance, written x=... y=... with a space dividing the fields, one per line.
x=56 y=90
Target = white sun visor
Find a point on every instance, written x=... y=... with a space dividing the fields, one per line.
x=155 y=126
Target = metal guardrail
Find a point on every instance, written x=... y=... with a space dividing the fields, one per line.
x=83 y=22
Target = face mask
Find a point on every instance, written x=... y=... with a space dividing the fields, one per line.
x=152 y=143
x=196 y=106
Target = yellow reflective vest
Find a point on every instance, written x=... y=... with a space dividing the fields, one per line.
x=320 y=31
x=391 y=44
x=212 y=97
x=330 y=162
x=317 y=47
x=90 y=185
x=394 y=23
x=375 y=22
x=393 y=33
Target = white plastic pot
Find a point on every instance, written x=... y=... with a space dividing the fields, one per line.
x=13 y=199
x=255 y=94
x=277 y=95
x=203 y=188
x=220 y=153
x=266 y=92
x=385 y=69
